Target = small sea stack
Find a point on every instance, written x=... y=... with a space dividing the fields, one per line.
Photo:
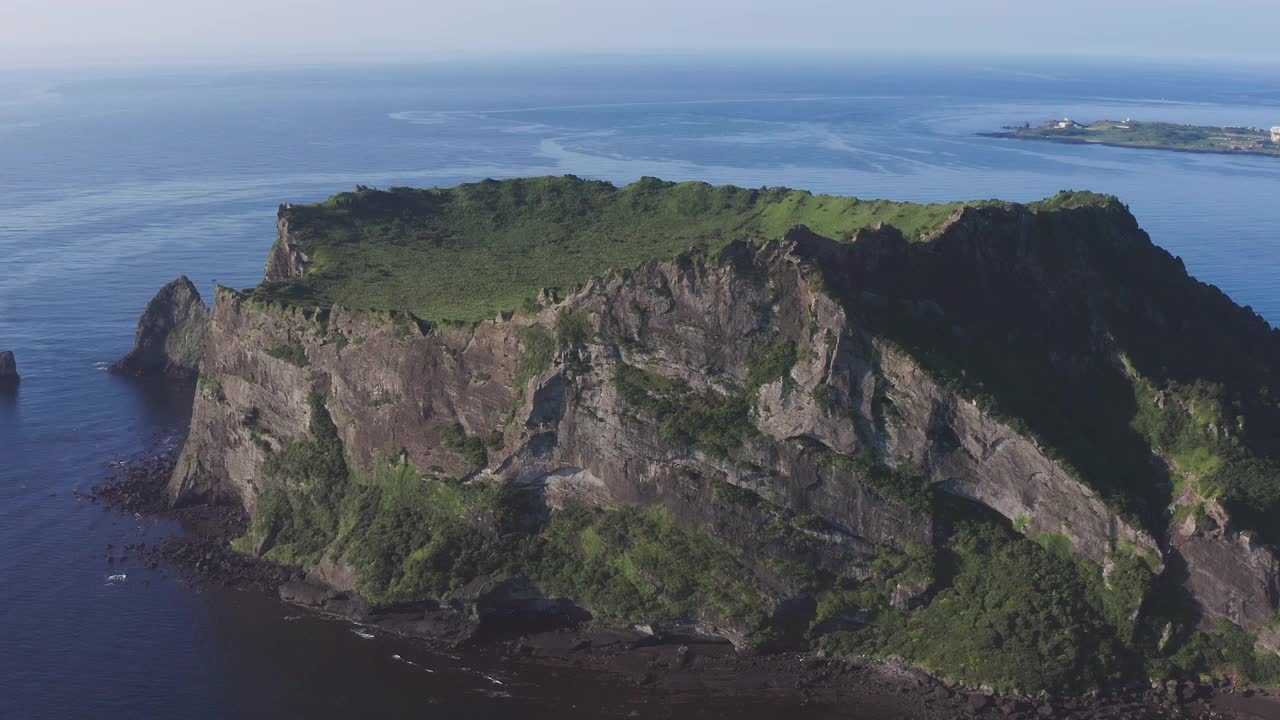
x=170 y=336
x=8 y=369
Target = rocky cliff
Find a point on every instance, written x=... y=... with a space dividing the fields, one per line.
x=171 y=334
x=8 y=369
x=807 y=420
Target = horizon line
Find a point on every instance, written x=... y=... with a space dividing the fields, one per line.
x=656 y=56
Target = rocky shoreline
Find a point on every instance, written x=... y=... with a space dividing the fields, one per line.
x=201 y=554
x=665 y=663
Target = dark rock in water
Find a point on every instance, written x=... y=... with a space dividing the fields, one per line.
x=8 y=369
x=171 y=334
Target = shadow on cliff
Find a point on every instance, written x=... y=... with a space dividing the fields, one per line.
x=1016 y=330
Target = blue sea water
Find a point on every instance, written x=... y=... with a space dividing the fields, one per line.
x=113 y=182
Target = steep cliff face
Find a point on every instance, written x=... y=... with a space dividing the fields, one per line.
x=171 y=334
x=1229 y=574
x=286 y=259
x=566 y=428
x=812 y=407
x=697 y=322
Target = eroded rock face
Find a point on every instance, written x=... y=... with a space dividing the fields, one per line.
x=170 y=340
x=393 y=387
x=286 y=259
x=1228 y=574
x=982 y=459
x=8 y=369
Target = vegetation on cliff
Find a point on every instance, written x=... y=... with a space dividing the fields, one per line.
x=1010 y=614
x=626 y=564
x=470 y=252
x=713 y=423
x=305 y=483
x=1007 y=612
x=1102 y=348
x=1060 y=319
x=411 y=536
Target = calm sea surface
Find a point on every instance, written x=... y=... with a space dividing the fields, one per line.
x=115 y=182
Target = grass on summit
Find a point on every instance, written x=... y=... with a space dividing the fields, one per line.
x=469 y=252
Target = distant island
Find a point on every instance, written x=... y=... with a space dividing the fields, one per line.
x=1152 y=135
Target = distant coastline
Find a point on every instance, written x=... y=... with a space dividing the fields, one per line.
x=1151 y=136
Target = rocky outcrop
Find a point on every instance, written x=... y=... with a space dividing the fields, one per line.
x=980 y=458
x=980 y=363
x=394 y=387
x=8 y=369
x=286 y=259
x=170 y=340
x=1228 y=573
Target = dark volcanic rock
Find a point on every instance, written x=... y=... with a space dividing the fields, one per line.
x=978 y=702
x=171 y=334
x=8 y=369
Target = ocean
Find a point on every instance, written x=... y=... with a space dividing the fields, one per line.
x=114 y=181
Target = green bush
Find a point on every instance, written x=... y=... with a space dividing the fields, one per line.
x=1015 y=617
x=736 y=495
x=630 y=565
x=1197 y=427
x=822 y=396
x=715 y=424
x=472 y=449
x=903 y=483
x=1124 y=593
x=291 y=352
x=306 y=481
x=573 y=329
x=408 y=537
x=412 y=538
x=1226 y=650
x=538 y=354
x=771 y=359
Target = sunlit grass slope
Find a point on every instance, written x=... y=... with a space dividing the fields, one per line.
x=469 y=252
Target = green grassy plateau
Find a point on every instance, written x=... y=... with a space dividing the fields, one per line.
x=469 y=252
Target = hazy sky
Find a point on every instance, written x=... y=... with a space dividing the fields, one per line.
x=132 y=31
